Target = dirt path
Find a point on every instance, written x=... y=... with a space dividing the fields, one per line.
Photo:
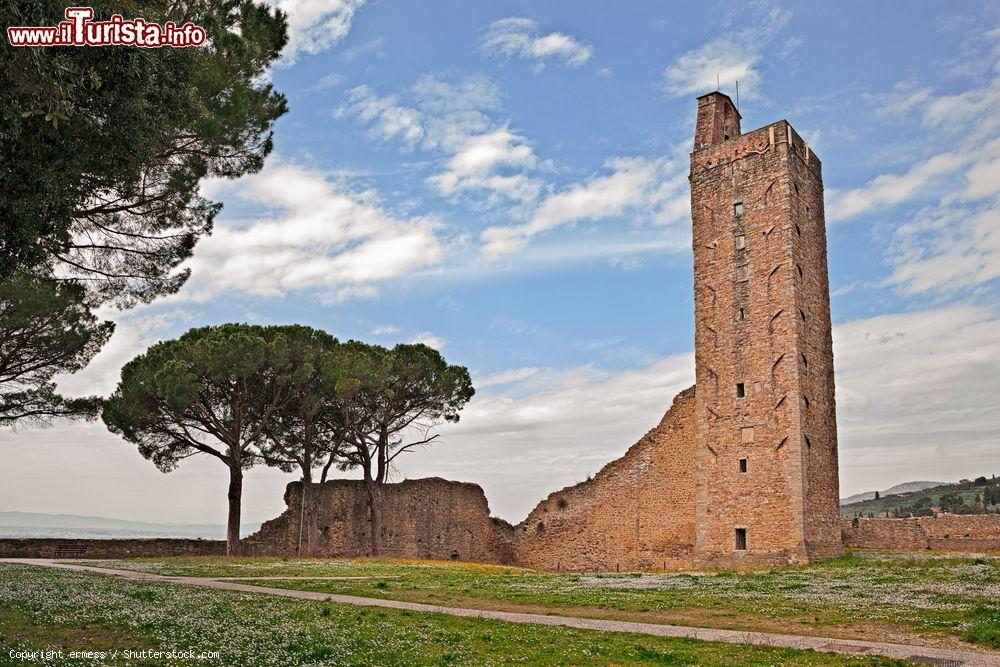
x=915 y=653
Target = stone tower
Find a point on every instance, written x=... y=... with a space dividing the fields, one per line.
x=766 y=444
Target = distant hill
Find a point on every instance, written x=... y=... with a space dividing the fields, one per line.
x=905 y=487
x=35 y=524
x=919 y=497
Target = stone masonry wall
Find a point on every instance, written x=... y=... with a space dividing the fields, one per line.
x=109 y=548
x=947 y=532
x=423 y=518
x=636 y=513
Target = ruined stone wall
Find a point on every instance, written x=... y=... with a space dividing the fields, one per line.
x=34 y=547
x=636 y=513
x=766 y=435
x=947 y=532
x=423 y=518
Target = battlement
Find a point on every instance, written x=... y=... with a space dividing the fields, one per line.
x=755 y=142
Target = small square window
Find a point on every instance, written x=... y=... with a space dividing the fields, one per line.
x=738 y=208
x=743 y=465
x=741 y=390
x=741 y=241
x=741 y=539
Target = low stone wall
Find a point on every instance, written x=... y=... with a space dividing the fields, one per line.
x=947 y=532
x=111 y=548
x=422 y=518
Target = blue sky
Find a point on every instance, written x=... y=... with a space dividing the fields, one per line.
x=508 y=182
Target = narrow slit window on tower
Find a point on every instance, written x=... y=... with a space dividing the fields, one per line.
x=741 y=241
x=741 y=314
x=798 y=230
x=741 y=539
x=743 y=465
x=738 y=209
x=741 y=390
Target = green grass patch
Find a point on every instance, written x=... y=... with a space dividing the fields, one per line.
x=908 y=592
x=43 y=607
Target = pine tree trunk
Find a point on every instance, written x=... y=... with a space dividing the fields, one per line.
x=375 y=509
x=235 y=503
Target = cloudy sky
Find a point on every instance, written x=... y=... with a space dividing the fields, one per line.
x=507 y=182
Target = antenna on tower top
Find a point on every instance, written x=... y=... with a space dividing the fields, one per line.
x=718 y=84
x=737 y=94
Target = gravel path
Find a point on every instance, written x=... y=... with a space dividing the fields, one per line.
x=915 y=653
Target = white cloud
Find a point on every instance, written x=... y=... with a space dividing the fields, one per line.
x=384 y=330
x=505 y=377
x=450 y=116
x=522 y=38
x=373 y=46
x=331 y=80
x=647 y=188
x=386 y=118
x=315 y=25
x=322 y=237
x=729 y=58
x=891 y=189
x=495 y=162
x=429 y=339
x=701 y=70
x=134 y=332
x=916 y=393
x=953 y=241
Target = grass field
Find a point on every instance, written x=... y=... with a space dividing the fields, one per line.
x=52 y=609
x=942 y=599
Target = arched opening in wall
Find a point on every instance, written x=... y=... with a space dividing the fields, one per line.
x=713 y=381
x=711 y=246
x=772 y=323
x=775 y=371
x=769 y=194
x=772 y=279
x=562 y=503
x=454 y=554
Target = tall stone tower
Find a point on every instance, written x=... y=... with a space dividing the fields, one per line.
x=766 y=457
